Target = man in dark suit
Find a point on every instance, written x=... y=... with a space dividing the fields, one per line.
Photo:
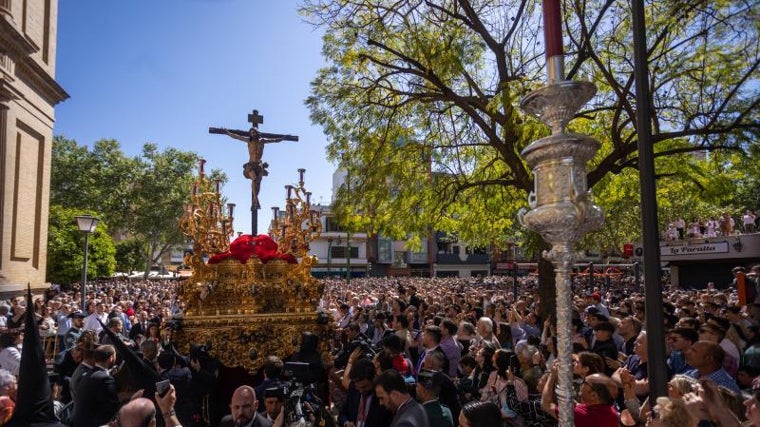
x=431 y=340
x=390 y=389
x=243 y=407
x=428 y=389
x=140 y=327
x=272 y=371
x=362 y=407
x=97 y=401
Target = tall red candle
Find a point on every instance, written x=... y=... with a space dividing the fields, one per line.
x=552 y=28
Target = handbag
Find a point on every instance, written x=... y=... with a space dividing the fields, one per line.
x=507 y=413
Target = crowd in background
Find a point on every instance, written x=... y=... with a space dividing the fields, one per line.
x=722 y=225
x=457 y=351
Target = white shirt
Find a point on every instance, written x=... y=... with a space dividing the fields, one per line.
x=10 y=359
x=91 y=322
x=64 y=323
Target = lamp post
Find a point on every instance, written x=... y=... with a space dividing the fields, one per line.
x=329 y=254
x=562 y=208
x=348 y=258
x=87 y=224
x=348 y=226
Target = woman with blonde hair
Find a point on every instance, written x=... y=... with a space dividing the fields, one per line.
x=669 y=413
x=680 y=385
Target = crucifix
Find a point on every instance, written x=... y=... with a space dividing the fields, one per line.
x=255 y=169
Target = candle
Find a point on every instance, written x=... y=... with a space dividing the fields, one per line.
x=552 y=28
x=202 y=162
x=230 y=209
x=218 y=183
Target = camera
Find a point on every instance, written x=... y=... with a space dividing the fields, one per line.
x=368 y=351
x=174 y=324
x=302 y=406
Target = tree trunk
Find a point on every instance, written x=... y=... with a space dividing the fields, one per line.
x=546 y=285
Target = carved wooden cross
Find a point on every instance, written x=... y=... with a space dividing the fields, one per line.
x=255 y=119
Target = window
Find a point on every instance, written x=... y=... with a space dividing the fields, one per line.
x=340 y=252
x=332 y=225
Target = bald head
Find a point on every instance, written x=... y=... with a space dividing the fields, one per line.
x=137 y=413
x=243 y=405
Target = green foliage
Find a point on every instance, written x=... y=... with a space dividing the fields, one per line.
x=129 y=256
x=141 y=197
x=419 y=100
x=66 y=248
x=98 y=179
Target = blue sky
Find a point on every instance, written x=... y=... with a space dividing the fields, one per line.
x=164 y=71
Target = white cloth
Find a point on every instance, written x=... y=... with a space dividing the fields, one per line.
x=10 y=359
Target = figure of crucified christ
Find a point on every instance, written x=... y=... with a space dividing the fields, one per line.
x=255 y=169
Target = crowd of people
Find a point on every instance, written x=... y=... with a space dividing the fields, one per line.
x=406 y=352
x=722 y=225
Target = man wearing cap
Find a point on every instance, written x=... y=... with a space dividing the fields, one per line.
x=604 y=345
x=274 y=399
x=595 y=298
x=77 y=326
x=428 y=389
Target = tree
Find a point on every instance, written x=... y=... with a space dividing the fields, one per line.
x=66 y=248
x=129 y=256
x=98 y=179
x=448 y=75
x=142 y=198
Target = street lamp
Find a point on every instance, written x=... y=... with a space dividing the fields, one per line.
x=87 y=224
x=344 y=157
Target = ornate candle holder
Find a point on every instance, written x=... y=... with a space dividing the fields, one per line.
x=299 y=225
x=562 y=208
x=205 y=220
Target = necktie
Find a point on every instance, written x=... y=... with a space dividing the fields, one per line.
x=362 y=411
x=421 y=361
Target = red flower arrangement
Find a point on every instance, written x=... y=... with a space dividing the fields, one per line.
x=246 y=246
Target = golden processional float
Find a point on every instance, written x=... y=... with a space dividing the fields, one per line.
x=254 y=296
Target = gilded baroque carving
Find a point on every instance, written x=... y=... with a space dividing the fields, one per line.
x=249 y=310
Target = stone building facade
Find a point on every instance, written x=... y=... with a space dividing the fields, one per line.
x=28 y=95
